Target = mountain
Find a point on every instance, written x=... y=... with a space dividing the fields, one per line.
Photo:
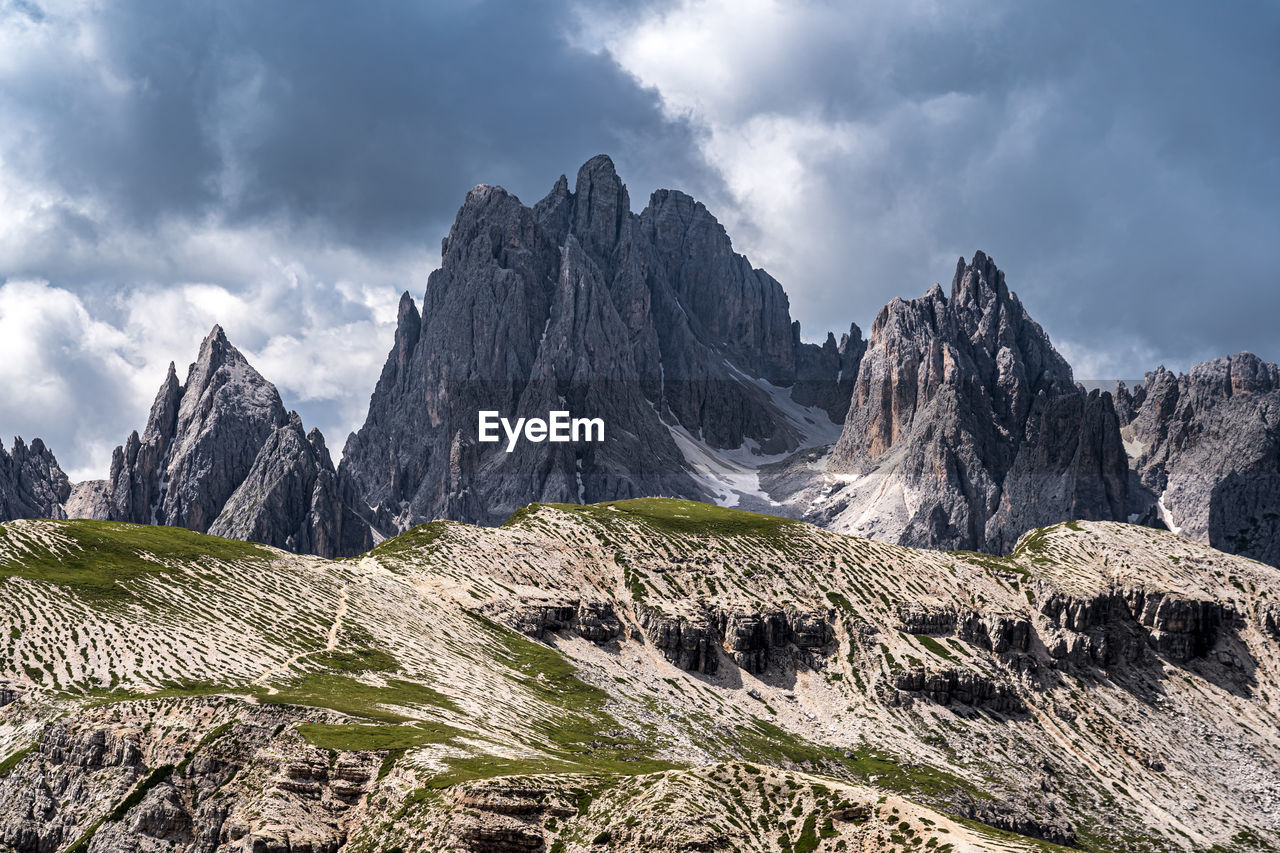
x=966 y=429
x=650 y=320
x=221 y=455
x=1207 y=447
x=635 y=676
x=32 y=485
x=955 y=424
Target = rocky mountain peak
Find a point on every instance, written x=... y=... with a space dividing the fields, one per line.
x=962 y=413
x=602 y=207
x=291 y=498
x=202 y=440
x=1210 y=452
x=32 y=484
x=1243 y=373
x=577 y=302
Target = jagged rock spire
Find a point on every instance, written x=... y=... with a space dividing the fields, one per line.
x=972 y=426
x=32 y=485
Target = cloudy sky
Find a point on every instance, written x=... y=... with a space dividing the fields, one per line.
x=286 y=169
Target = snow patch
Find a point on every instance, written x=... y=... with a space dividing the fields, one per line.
x=1165 y=515
x=730 y=475
x=725 y=479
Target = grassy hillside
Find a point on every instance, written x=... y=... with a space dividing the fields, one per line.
x=452 y=656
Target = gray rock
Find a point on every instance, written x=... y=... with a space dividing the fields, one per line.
x=290 y=499
x=220 y=455
x=689 y=641
x=951 y=685
x=964 y=406
x=651 y=321
x=1211 y=453
x=90 y=499
x=200 y=441
x=32 y=485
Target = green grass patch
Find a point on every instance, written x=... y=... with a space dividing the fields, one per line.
x=767 y=743
x=6 y=766
x=359 y=737
x=935 y=647
x=576 y=737
x=675 y=517
x=106 y=553
x=419 y=538
x=841 y=603
x=357 y=660
x=338 y=692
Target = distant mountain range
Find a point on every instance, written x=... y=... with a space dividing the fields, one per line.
x=955 y=424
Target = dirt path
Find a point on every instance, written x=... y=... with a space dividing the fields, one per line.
x=330 y=643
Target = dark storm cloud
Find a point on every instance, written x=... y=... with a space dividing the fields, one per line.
x=286 y=168
x=1119 y=160
x=282 y=168
x=366 y=121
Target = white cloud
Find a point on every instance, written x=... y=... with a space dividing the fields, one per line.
x=82 y=382
x=800 y=115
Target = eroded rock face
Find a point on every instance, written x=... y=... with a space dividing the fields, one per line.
x=748 y=638
x=592 y=620
x=947 y=686
x=290 y=499
x=1037 y=819
x=220 y=455
x=997 y=632
x=32 y=485
x=244 y=785
x=50 y=795
x=200 y=441
x=90 y=499
x=933 y=621
x=1124 y=625
x=505 y=817
x=1269 y=618
x=1211 y=453
x=649 y=320
x=963 y=404
x=1180 y=628
x=689 y=641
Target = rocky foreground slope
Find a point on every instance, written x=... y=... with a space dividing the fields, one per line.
x=643 y=675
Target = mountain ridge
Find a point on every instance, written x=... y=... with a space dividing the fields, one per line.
x=953 y=424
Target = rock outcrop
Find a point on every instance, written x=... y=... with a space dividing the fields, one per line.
x=32 y=485
x=688 y=640
x=89 y=499
x=220 y=454
x=649 y=320
x=997 y=632
x=1210 y=453
x=201 y=439
x=593 y=620
x=750 y=638
x=1124 y=624
x=950 y=685
x=693 y=640
x=966 y=429
x=290 y=499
